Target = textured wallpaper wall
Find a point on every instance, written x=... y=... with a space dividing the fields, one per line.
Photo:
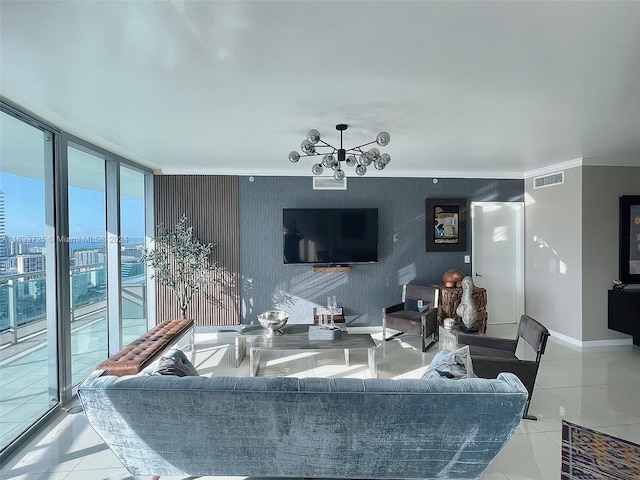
x=267 y=283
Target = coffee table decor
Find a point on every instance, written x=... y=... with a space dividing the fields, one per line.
x=326 y=328
x=272 y=321
x=320 y=332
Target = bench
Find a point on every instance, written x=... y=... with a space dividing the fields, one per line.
x=133 y=358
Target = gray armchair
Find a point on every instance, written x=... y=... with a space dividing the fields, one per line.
x=417 y=314
x=491 y=355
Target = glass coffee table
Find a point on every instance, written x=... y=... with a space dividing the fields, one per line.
x=296 y=337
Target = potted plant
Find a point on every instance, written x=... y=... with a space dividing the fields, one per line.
x=181 y=263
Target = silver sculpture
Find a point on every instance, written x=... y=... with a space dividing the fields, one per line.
x=467 y=308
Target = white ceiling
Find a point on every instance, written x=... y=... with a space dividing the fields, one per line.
x=464 y=88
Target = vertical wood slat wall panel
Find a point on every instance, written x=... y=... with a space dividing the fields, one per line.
x=210 y=203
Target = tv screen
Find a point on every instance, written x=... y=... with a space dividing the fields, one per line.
x=330 y=236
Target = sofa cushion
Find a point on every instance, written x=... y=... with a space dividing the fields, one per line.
x=454 y=364
x=175 y=363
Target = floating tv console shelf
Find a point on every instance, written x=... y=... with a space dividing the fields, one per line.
x=330 y=269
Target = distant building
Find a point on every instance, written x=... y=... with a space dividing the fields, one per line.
x=134 y=252
x=131 y=269
x=89 y=257
x=79 y=288
x=30 y=263
x=8 y=266
x=4 y=247
x=18 y=248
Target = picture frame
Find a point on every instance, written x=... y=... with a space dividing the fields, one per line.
x=446 y=224
x=630 y=239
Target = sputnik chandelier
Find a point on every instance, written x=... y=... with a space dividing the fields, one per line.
x=353 y=157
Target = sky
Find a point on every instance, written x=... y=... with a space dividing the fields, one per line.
x=24 y=200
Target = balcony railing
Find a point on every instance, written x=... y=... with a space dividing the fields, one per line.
x=23 y=300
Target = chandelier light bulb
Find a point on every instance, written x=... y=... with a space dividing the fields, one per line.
x=308 y=147
x=379 y=164
x=327 y=161
x=383 y=139
x=339 y=174
x=365 y=159
x=374 y=153
x=351 y=161
x=361 y=170
x=294 y=156
x=386 y=158
x=313 y=136
x=317 y=169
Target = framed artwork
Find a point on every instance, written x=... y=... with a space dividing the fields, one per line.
x=630 y=238
x=446 y=224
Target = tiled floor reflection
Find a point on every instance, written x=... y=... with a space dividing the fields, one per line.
x=595 y=387
x=24 y=372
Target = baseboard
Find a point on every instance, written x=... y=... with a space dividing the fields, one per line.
x=591 y=343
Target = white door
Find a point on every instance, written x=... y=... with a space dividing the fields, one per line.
x=498 y=257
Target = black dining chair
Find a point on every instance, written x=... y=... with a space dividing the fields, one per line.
x=492 y=355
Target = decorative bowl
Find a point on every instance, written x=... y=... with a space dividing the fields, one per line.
x=272 y=321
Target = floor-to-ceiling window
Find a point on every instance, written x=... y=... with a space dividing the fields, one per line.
x=28 y=360
x=133 y=281
x=88 y=261
x=73 y=220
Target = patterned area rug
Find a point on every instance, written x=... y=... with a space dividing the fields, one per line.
x=587 y=454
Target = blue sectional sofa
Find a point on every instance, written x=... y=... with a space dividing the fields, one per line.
x=304 y=427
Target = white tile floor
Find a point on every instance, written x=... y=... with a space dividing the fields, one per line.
x=24 y=378
x=594 y=387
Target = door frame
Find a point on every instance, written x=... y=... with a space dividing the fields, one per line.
x=519 y=260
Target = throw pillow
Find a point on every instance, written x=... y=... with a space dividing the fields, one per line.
x=175 y=363
x=454 y=364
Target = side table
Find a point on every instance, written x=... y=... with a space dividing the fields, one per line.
x=450 y=300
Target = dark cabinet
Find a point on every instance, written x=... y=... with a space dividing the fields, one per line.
x=624 y=313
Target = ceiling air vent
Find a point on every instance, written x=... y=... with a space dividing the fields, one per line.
x=329 y=183
x=548 y=180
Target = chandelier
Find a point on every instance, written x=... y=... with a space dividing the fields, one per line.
x=313 y=146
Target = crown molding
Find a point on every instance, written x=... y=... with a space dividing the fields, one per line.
x=554 y=168
x=374 y=173
x=625 y=161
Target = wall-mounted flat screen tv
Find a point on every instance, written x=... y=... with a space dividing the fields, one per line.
x=330 y=236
